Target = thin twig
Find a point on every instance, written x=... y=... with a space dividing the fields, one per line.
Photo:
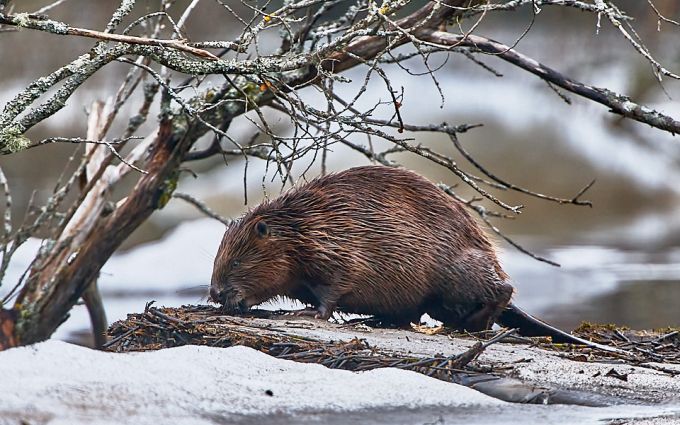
x=202 y=207
x=61 y=28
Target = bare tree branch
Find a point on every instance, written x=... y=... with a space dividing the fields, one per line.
x=201 y=207
x=617 y=103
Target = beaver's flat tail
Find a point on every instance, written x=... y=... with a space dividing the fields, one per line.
x=528 y=325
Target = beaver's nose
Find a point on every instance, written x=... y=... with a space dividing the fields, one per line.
x=217 y=295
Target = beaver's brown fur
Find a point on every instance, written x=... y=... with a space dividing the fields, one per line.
x=370 y=240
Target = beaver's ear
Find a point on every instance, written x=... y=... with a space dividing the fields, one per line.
x=262 y=229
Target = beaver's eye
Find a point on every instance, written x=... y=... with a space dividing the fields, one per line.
x=235 y=263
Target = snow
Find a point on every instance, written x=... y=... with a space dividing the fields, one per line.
x=58 y=383
x=80 y=385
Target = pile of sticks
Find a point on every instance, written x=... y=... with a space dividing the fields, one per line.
x=158 y=328
x=204 y=325
x=646 y=346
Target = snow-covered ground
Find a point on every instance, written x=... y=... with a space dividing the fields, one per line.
x=80 y=385
x=58 y=383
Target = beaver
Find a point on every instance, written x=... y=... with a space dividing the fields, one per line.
x=370 y=240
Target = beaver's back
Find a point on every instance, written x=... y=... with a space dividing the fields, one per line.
x=390 y=243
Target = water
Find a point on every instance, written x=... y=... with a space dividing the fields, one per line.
x=601 y=285
x=638 y=304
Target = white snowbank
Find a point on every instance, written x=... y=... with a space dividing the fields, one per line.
x=58 y=383
x=78 y=385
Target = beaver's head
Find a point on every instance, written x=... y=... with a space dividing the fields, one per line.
x=252 y=264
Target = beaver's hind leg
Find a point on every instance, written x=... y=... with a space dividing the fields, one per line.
x=482 y=318
x=471 y=292
x=470 y=313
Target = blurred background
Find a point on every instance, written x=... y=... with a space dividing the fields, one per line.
x=620 y=259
